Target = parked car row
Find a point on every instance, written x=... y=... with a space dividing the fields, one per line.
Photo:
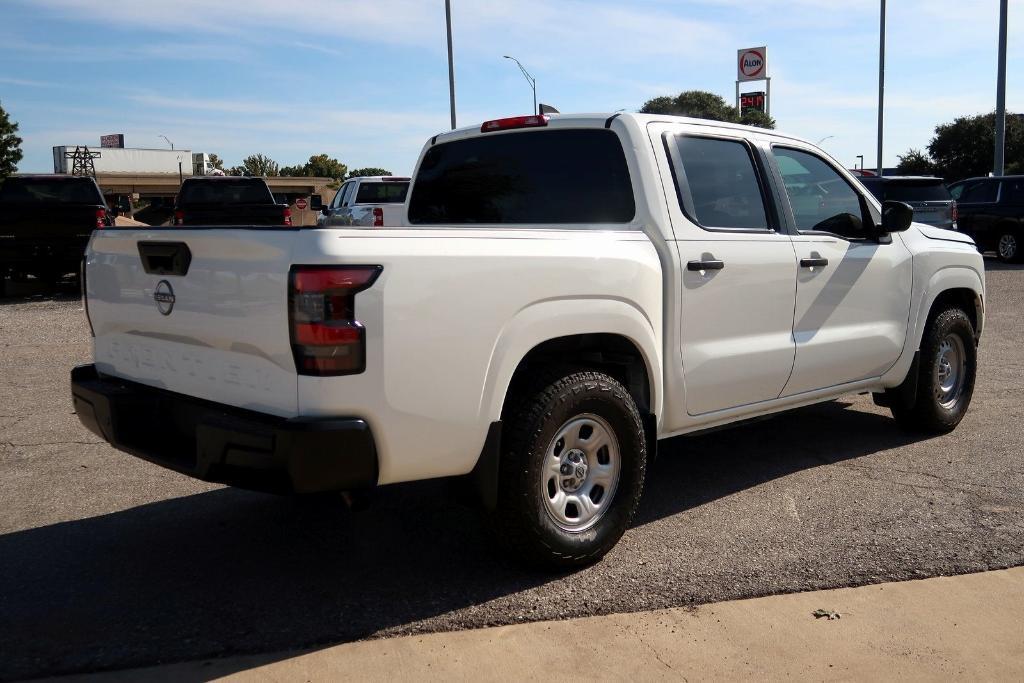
x=989 y=209
x=46 y=219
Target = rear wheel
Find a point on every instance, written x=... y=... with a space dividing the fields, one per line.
x=572 y=469
x=945 y=376
x=1008 y=247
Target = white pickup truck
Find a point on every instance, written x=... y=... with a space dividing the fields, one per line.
x=566 y=292
x=368 y=201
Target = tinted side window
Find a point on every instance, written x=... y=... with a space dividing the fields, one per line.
x=721 y=183
x=535 y=177
x=339 y=196
x=956 y=190
x=821 y=199
x=980 y=191
x=1013 y=191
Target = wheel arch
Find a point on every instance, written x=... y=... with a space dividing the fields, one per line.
x=601 y=334
x=958 y=285
x=608 y=335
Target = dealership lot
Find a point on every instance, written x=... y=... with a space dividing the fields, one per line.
x=109 y=562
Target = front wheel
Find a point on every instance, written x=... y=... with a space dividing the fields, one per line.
x=572 y=469
x=945 y=378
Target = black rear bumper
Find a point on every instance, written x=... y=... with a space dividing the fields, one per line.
x=220 y=443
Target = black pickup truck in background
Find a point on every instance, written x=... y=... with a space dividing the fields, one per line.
x=228 y=200
x=45 y=224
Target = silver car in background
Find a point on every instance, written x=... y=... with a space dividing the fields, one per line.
x=928 y=195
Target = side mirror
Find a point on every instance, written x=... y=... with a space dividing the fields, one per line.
x=325 y=210
x=316 y=202
x=896 y=216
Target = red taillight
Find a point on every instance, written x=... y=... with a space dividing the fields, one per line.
x=378 y=217
x=326 y=337
x=179 y=217
x=514 y=122
x=955 y=212
x=101 y=219
x=287 y=216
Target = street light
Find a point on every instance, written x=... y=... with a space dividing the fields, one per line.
x=168 y=140
x=529 y=79
x=818 y=143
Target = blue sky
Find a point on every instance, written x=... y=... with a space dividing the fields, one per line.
x=366 y=81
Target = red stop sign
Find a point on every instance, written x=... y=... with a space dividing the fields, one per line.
x=300 y=203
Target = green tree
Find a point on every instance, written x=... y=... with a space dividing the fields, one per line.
x=216 y=162
x=368 y=171
x=965 y=147
x=323 y=166
x=10 y=145
x=700 y=104
x=754 y=117
x=914 y=162
x=259 y=165
x=293 y=171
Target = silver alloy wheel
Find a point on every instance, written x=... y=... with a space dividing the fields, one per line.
x=1007 y=247
x=581 y=472
x=950 y=370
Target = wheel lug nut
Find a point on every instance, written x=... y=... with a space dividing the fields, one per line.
x=566 y=468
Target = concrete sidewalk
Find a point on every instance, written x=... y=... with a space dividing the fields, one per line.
x=969 y=627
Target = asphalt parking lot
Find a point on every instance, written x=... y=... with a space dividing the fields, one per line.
x=109 y=562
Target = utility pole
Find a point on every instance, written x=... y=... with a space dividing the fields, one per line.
x=881 y=83
x=451 y=61
x=999 y=166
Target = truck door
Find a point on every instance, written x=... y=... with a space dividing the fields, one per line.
x=853 y=292
x=738 y=271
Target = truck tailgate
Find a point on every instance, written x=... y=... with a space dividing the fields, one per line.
x=217 y=330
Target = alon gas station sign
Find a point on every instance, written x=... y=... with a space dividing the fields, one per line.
x=752 y=65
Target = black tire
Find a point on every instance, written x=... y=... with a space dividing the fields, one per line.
x=1008 y=246
x=928 y=413
x=533 y=417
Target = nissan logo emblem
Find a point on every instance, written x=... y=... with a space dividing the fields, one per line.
x=164 y=297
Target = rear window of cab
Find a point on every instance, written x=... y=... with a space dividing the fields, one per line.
x=537 y=177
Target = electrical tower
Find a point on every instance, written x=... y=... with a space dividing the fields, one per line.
x=82 y=161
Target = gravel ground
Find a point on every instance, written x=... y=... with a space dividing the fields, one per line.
x=110 y=562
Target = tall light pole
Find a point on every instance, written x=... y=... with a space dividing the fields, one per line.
x=881 y=83
x=451 y=61
x=529 y=79
x=998 y=167
x=168 y=140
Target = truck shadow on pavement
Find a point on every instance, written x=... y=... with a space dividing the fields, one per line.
x=227 y=571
